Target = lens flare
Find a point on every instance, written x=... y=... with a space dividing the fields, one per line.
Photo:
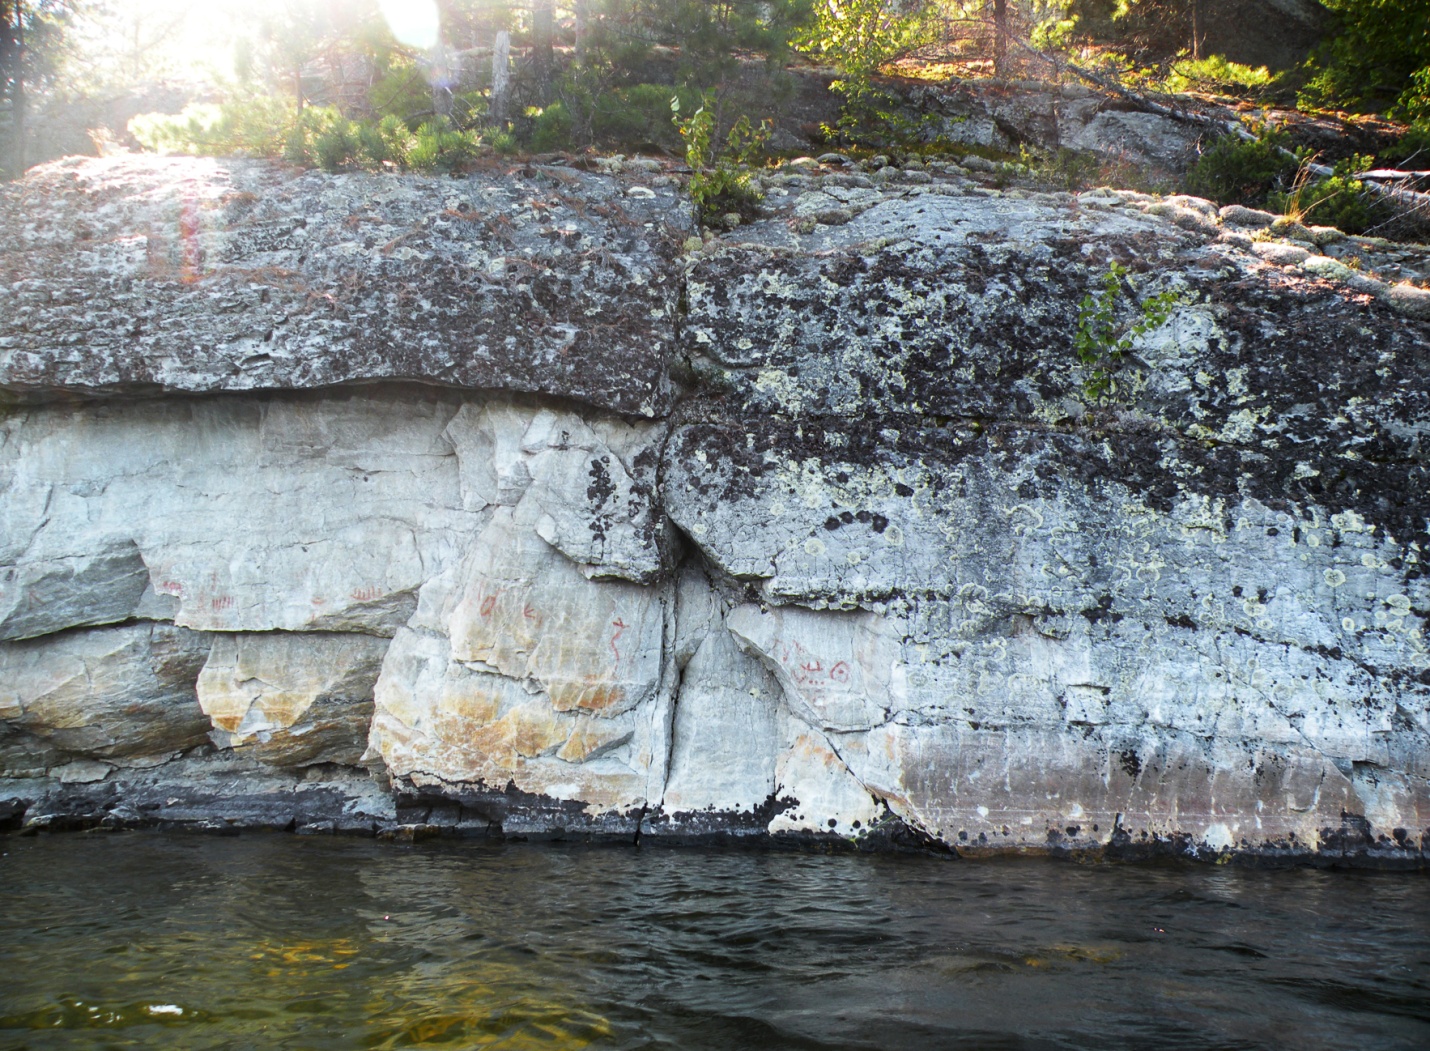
x=415 y=23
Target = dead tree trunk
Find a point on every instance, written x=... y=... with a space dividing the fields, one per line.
x=501 y=78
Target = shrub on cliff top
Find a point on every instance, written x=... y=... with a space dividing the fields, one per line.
x=1233 y=170
x=316 y=136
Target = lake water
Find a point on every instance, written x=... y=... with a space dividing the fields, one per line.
x=273 y=941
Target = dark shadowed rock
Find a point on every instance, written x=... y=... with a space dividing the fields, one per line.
x=200 y=275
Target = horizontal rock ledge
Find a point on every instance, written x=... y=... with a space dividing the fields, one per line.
x=198 y=275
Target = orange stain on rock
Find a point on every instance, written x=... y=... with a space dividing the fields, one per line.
x=591 y=693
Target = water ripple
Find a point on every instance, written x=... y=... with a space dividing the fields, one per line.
x=282 y=942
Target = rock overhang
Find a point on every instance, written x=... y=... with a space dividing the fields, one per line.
x=200 y=275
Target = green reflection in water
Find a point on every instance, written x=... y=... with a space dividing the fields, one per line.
x=267 y=988
x=274 y=946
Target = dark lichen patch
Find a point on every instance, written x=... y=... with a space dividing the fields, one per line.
x=938 y=334
x=1130 y=762
x=1297 y=395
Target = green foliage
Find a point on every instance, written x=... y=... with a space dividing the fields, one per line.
x=441 y=147
x=551 y=128
x=499 y=141
x=1413 y=147
x=252 y=127
x=1146 y=29
x=639 y=115
x=1378 y=58
x=691 y=46
x=1101 y=340
x=400 y=88
x=316 y=136
x=388 y=142
x=1233 y=170
x=1337 y=200
x=1215 y=74
x=1415 y=101
x=711 y=37
x=1064 y=169
x=720 y=180
x=634 y=117
x=321 y=137
x=860 y=38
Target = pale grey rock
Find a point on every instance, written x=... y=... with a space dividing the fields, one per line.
x=1410 y=300
x=1280 y=254
x=1196 y=204
x=491 y=468
x=292 y=699
x=699 y=612
x=830 y=800
x=1292 y=228
x=834 y=673
x=725 y=741
x=591 y=508
x=115 y=694
x=1239 y=215
x=59 y=590
x=518 y=668
x=1196 y=220
x=1063 y=717
x=892 y=570
x=859 y=182
x=747 y=744
x=245 y=515
x=522 y=609
x=999 y=119
x=749 y=302
x=1325 y=266
x=1169 y=616
x=82 y=772
x=835 y=201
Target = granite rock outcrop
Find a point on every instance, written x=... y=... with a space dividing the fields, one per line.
x=508 y=504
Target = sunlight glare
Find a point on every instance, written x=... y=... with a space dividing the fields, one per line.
x=415 y=23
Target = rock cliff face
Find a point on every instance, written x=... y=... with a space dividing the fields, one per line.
x=507 y=505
